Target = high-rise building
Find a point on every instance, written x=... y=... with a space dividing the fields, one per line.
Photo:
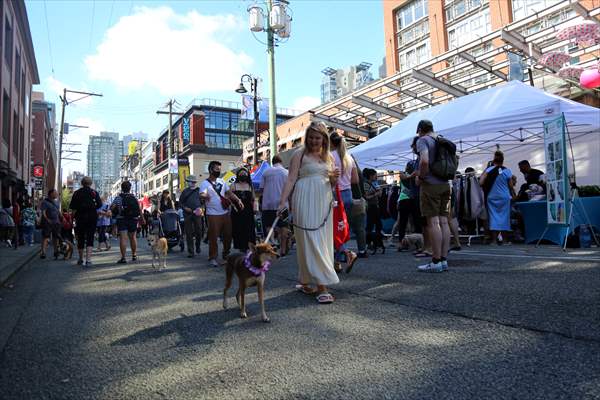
x=74 y=180
x=338 y=82
x=104 y=159
x=18 y=70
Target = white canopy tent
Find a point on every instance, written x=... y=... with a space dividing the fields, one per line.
x=509 y=117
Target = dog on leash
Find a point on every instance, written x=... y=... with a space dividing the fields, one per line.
x=65 y=248
x=159 y=246
x=375 y=241
x=412 y=240
x=250 y=269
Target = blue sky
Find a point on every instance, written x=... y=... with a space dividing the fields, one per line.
x=138 y=54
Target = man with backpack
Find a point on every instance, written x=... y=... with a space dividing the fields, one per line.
x=437 y=165
x=84 y=203
x=127 y=209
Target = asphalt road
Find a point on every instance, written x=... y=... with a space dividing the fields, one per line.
x=504 y=323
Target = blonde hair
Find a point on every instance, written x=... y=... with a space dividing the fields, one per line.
x=345 y=158
x=321 y=129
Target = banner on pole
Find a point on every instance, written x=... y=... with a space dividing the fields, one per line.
x=557 y=176
x=173 y=166
x=183 y=171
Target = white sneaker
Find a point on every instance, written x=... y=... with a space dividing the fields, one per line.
x=213 y=263
x=431 y=267
x=444 y=265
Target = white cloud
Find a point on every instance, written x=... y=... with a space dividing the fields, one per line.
x=173 y=53
x=56 y=87
x=305 y=103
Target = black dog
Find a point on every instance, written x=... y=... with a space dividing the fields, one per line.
x=375 y=241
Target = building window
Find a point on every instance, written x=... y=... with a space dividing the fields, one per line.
x=22 y=146
x=165 y=179
x=524 y=8
x=6 y=118
x=411 y=13
x=151 y=185
x=158 y=183
x=469 y=29
x=15 y=144
x=8 y=43
x=18 y=71
x=414 y=56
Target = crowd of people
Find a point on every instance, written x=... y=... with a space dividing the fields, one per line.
x=429 y=210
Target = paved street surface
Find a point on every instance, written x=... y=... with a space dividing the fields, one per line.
x=509 y=322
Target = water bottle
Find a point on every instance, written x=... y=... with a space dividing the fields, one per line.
x=585 y=236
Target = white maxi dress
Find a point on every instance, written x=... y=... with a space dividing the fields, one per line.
x=311 y=203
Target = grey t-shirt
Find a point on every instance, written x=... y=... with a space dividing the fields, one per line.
x=51 y=209
x=428 y=142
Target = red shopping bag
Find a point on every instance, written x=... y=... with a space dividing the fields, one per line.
x=341 y=230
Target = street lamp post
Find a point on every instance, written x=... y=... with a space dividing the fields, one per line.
x=254 y=88
x=278 y=28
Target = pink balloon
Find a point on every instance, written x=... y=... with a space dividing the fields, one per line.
x=590 y=78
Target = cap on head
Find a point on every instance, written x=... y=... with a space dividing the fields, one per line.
x=191 y=178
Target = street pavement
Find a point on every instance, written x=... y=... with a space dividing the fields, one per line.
x=510 y=322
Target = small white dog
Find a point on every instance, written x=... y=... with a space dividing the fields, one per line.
x=159 y=250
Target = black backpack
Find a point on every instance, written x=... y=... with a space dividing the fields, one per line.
x=87 y=201
x=130 y=207
x=445 y=164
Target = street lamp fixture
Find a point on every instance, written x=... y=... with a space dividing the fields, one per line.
x=254 y=88
x=272 y=17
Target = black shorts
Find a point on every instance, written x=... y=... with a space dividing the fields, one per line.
x=268 y=217
x=85 y=227
x=127 y=224
x=51 y=230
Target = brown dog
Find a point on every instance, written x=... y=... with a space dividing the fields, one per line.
x=250 y=269
x=65 y=248
x=159 y=247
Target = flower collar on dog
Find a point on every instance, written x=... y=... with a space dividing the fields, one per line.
x=255 y=271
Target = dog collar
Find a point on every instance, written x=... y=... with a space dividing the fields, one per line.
x=255 y=271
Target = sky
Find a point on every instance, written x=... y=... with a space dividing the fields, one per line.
x=138 y=54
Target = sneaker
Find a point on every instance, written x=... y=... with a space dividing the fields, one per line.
x=88 y=263
x=133 y=258
x=80 y=262
x=213 y=263
x=122 y=261
x=445 y=265
x=430 y=267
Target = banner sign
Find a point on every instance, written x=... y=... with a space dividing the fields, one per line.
x=248 y=108
x=173 y=166
x=183 y=172
x=557 y=177
x=185 y=128
x=38 y=171
x=39 y=185
x=132 y=147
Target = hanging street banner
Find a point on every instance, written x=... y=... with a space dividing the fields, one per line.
x=557 y=177
x=248 y=108
x=173 y=166
x=183 y=172
x=185 y=131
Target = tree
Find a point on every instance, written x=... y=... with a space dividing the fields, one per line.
x=65 y=199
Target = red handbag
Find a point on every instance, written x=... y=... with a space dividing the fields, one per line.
x=341 y=230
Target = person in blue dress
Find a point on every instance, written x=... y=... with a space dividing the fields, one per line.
x=497 y=188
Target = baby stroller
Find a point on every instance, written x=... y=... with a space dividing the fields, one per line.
x=170 y=229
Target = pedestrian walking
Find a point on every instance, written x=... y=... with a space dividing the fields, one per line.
x=408 y=200
x=166 y=203
x=66 y=230
x=127 y=210
x=242 y=220
x=372 y=194
x=312 y=176
x=103 y=224
x=497 y=187
x=191 y=204
x=28 y=218
x=271 y=186
x=348 y=176
x=219 y=198
x=7 y=223
x=434 y=198
x=51 y=222
x=85 y=203
x=147 y=223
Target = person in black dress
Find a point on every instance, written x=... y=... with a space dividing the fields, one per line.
x=243 y=226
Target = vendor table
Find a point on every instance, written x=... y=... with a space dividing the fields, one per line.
x=534 y=218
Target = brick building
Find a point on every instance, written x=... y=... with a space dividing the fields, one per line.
x=18 y=72
x=43 y=139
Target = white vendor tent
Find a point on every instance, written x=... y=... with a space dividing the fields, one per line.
x=509 y=117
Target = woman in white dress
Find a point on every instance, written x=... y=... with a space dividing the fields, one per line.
x=312 y=174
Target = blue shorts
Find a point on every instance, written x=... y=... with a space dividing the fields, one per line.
x=127 y=224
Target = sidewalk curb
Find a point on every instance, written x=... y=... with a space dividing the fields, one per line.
x=11 y=270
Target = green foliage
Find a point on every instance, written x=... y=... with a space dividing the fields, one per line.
x=589 y=191
x=65 y=199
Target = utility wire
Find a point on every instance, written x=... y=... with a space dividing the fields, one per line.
x=92 y=25
x=49 y=42
x=112 y=5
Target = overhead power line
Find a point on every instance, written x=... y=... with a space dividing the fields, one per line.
x=49 y=42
